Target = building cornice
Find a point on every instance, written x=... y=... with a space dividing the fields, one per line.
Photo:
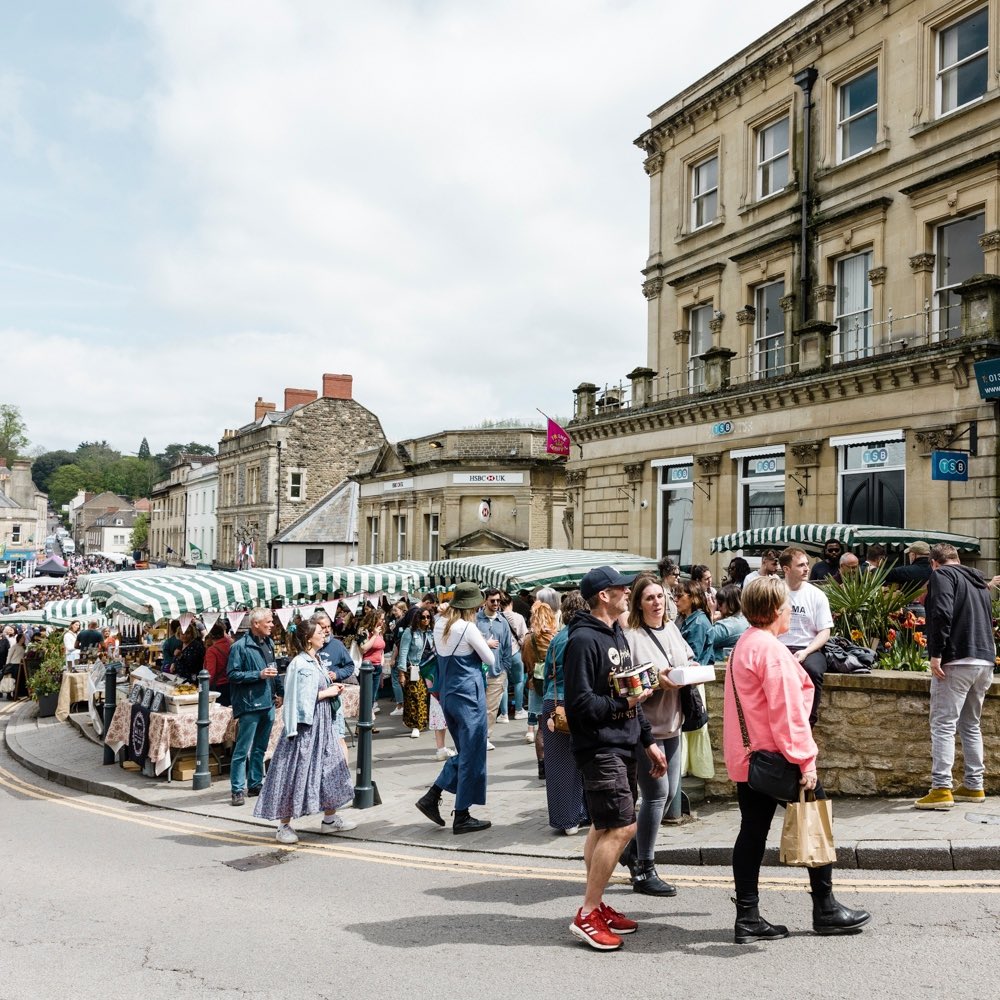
x=946 y=175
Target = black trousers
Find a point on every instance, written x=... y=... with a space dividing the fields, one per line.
x=756 y=813
x=815 y=666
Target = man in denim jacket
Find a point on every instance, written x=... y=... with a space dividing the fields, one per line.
x=252 y=671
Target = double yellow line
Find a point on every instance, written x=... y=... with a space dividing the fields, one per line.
x=453 y=862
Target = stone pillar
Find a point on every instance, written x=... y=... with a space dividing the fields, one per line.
x=813 y=340
x=586 y=401
x=718 y=362
x=980 y=296
x=642 y=386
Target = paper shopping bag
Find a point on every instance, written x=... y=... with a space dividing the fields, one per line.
x=807 y=836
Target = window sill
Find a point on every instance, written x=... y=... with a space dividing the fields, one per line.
x=701 y=230
x=876 y=150
x=766 y=202
x=989 y=97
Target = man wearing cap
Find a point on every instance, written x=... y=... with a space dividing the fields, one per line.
x=606 y=730
x=917 y=570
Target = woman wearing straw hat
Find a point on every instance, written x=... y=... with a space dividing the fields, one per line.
x=461 y=652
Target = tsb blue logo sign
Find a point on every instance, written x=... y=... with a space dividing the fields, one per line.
x=950 y=466
x=875 y=456
x=722 y=428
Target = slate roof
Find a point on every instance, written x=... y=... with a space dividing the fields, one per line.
x=332 y=519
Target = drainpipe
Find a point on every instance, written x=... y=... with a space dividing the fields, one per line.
x=805 y=79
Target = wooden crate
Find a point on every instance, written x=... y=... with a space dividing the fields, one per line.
x=184 y=766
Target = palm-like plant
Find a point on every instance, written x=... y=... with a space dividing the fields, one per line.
x=862 y=604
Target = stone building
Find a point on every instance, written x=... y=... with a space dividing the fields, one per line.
x=461 y=493
x=111 y=534
x=174 y=500
x=325 y=535
x=22 y=514
x=86 y=515
x=274 y=469
x=823 y=205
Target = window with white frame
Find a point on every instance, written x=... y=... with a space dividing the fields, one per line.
x=854 y=307
x=432 y=526
x=296 y=484
x=857 y=114
x=705 y=192
x=399 y=531
x=15 y=532
x=253 y=484
x=762 y=490
x=962 y=57
x=769 y=330
x=701 y=340
x=958 y=257
x=677 y=512
x=374 y=553
x=772 y=158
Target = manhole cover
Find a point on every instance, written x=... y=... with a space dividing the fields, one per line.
x=256 y=861
x=983 y=818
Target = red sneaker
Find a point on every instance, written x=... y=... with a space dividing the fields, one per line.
x=618 y=922
x=593 y=929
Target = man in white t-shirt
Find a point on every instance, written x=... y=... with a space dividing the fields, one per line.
x=811 y=621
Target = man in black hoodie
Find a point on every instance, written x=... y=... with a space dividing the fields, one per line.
x=606 y=731
x=962 y=653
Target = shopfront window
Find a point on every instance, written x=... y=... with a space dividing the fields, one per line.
x=676 y=512
x=762 y=490
x=873 y=481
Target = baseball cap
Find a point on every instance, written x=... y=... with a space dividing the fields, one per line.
x=600 y=579
x=918 y=548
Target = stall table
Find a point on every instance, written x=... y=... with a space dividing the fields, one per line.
x=72 y=690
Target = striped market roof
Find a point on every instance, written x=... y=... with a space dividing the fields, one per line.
x=816 y=535
x=150 y=599
x=63 y=611
x=410 y=576
x=513 y=571
x=102 y=585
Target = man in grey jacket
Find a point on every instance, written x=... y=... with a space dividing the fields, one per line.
x=962 y=654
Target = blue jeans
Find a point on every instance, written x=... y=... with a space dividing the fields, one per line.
x=252 y=735
x=397 y=688
x=515 y=682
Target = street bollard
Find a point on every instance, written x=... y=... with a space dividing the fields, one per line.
x=202 y=778
x=110 y=696
x=365 y=790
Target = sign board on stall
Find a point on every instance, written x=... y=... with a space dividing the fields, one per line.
x=950 y=466
x=988 y=378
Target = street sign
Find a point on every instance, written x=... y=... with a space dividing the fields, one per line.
x=988 y=378
x=950 y=466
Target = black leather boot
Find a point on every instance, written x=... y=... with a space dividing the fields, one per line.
x=829 y=916
x=751 y=926
x=647 y=882
x=464 y=823
x=630 y=858
x=430 y=805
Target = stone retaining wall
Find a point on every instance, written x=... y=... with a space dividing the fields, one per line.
x=873 y=735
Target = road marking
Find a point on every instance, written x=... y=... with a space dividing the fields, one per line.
x=347 y=850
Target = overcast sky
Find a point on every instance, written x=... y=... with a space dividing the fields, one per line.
x=208 y=201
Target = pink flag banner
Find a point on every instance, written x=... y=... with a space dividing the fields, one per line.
x=556 y=439
x=235 y=620
x=284 y=616
x=330 y=607
x=209 y=618
x=185 y=619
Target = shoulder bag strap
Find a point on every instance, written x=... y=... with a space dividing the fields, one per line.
x=739 y=712
x=555 y=683
x=652 y=635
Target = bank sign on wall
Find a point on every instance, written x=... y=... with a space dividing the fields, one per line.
x=488 y=478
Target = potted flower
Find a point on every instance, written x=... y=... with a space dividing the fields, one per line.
x=45 y=681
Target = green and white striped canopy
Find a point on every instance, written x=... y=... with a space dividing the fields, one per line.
x=34 y=617
x=408 y=577
x=513 y=571
x=150 y=598
x=100 y=586
x=816 y=535
x=57 y=612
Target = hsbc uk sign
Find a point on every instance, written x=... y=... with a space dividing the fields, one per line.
x=488 y=478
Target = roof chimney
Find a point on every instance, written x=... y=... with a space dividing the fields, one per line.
x=260 y=408
x=338 y=386
x=294 y=397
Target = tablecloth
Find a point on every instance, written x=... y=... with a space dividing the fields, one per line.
x=73 y=689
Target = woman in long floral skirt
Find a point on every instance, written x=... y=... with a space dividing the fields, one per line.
x=308 y=772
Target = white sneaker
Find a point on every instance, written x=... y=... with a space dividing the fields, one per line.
x=570 y=831
x=529 y=737
x=449 y=751
x=442 y=754
x=337 y=825
x=414 y=734
x=521 y=715
x=503 y=719
x=490 y=746
x=286 y=835
x=398 y=710
x=376 y=709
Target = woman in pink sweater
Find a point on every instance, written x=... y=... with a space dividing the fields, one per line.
x=775 y=694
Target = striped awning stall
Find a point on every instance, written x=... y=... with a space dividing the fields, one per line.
x=512 y=571
x=33 y=617
x=816 y=535
x=102 y=585
x=57 y=612
x=408 y=577
x=149 y=599
x=264 y=585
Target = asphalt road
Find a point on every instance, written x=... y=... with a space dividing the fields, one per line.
x=106 y=900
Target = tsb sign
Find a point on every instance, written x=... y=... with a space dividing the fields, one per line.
x=950 y=466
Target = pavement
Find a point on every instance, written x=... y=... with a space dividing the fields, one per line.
x=871 y=833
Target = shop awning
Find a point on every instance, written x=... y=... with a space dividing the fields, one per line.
x=102 y=585
x=34 y=617
x=154 y=598
x=851 y=535
x=513 y=571
x=408 y=577
x=10 y=554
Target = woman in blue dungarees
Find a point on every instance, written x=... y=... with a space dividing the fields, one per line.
x=461 y=653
